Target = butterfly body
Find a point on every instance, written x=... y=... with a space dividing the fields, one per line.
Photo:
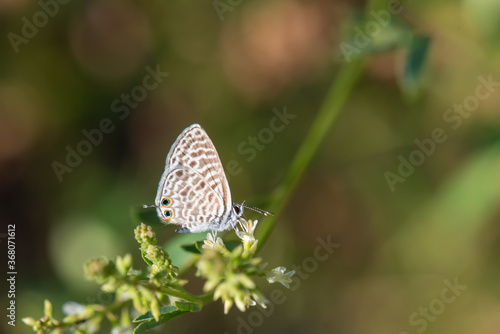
x=193 y=191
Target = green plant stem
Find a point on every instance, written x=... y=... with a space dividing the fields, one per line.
x=334 y=100
x=206 y=298
x=183 y=295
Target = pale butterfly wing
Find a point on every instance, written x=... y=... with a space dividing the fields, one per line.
x=193 y=190
x=194 y=149
x=187 y=199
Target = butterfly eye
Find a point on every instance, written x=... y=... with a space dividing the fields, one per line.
x=166 y=201
x=168 y=214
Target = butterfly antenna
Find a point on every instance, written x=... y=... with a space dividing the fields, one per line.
x=253 y=208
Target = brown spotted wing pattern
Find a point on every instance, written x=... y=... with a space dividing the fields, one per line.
x=193 y=191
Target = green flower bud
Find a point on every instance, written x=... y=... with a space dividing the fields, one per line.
x=47 y=307
x=29 y=321
x=96 y=268
x=123 y=264
x=155 y=309
x=144 y=235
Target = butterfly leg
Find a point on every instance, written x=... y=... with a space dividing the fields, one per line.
x=241 y=224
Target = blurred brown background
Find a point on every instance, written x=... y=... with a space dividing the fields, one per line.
x=419 y=253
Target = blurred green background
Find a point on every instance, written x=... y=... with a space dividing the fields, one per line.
x=408 y=230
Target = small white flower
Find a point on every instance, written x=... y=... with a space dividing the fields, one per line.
x=70 y=308
x=228 y=303
x=246 y=234
x=260 y=299
x=214 y=242
x=122 y=330
x=240 y=304
x=249 y=301
x=124 y=296
x=278 y=275
x=244 y=302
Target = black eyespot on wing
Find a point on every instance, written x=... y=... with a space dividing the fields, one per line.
x=165 y=201
x=168 y=214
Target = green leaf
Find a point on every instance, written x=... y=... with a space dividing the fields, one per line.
x=146 y=259
x=167 y=313
x=194 y=248
x=148 y=315
x=143 y=326
x=187 y=306
x=415 y=61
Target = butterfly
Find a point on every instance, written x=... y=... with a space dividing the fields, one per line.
x=193 y=191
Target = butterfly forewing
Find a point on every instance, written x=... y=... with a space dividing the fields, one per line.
x=194 y=149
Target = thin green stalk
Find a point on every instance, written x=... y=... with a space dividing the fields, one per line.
x=206 y=298
x=334 y=100
x=180 y=294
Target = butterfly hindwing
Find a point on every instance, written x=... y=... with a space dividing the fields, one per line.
x=185 y=198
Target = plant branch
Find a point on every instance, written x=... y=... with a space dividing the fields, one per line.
x=333 y=103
